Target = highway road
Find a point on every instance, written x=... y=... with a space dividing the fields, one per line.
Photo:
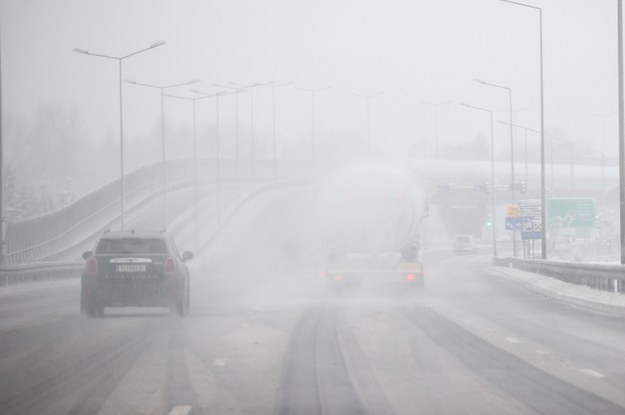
x=264 y=337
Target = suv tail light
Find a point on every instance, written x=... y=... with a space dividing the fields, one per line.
x=91 y=266
x=169 y=266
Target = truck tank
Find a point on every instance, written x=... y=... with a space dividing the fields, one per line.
x=373 y=217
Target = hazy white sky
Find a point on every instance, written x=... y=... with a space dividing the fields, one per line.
x=414 y=50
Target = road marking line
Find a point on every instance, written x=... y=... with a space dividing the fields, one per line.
x=219 y=362
x=541 y=352
x=592 y=373
x=181 y=410
x=513 y=340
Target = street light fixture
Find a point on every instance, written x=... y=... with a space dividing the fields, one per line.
x=435 y=105
x=512 y=178
x=162 y=88
x=543 y=208
x=312 y=93
x=367 y=98
x=492 y=173
x=119 y=59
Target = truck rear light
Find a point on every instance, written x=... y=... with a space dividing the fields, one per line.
x=322 y=274
x=91 y=266
x=169 y=266
x=338 y=277
x=409 y=277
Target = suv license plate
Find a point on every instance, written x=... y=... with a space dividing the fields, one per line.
x=131 y=268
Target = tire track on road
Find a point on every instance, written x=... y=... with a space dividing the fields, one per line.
x=318 y=377
x=178 y=389
x=537 y=390
x=93 y=372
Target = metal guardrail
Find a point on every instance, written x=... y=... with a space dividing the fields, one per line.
x=605 y=277
x=39 y=272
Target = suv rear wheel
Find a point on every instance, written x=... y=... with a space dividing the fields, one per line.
x=183 y=304
x=89 y=306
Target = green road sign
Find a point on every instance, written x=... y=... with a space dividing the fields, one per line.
x=571 y=213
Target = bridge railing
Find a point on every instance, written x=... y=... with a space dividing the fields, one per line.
x=605 y=277
x=44 y=237
x=32 y=239
x=11 y=274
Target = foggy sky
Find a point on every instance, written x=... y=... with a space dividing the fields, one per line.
x=414 y=50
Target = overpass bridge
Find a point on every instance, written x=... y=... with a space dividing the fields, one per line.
x=458 y=198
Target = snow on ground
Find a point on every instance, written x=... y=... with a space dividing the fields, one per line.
x=564 y=291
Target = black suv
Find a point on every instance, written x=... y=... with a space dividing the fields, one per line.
x=134 y=269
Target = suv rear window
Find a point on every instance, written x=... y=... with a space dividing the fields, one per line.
x=126 y=246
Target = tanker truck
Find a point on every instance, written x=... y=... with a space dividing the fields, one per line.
x=374 y=217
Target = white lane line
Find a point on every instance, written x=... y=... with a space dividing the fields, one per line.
x=541 y=352
x=219 y=362
x=181 y=410
x=592 y=373
x=513 y=340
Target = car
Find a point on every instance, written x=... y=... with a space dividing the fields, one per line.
x=135 y=269
x=464 y=243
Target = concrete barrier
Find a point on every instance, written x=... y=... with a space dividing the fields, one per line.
x=39 y=272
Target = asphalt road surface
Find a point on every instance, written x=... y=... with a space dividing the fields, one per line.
x=264 y=336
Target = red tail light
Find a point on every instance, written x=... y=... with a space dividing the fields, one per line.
x=322 y=274
x=91 y=266
x=409 y=277
x=169 y=266
x=338 y=277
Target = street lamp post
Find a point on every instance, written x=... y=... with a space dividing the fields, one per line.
x=525 y=129
x=217 y=95
x=195 y=174
x=273 y=105
x=602 y=117
x=312 y=93
x=251 y=87
x=2 y=247
x=236 y=90
x=621 y=129
x=571 y=146
x=367 y=98
x=512 y=178
x=492 y=173
x=436 y=142
x=162 y=88
x=543 y=209
x=514 y=122
x=120 y=59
